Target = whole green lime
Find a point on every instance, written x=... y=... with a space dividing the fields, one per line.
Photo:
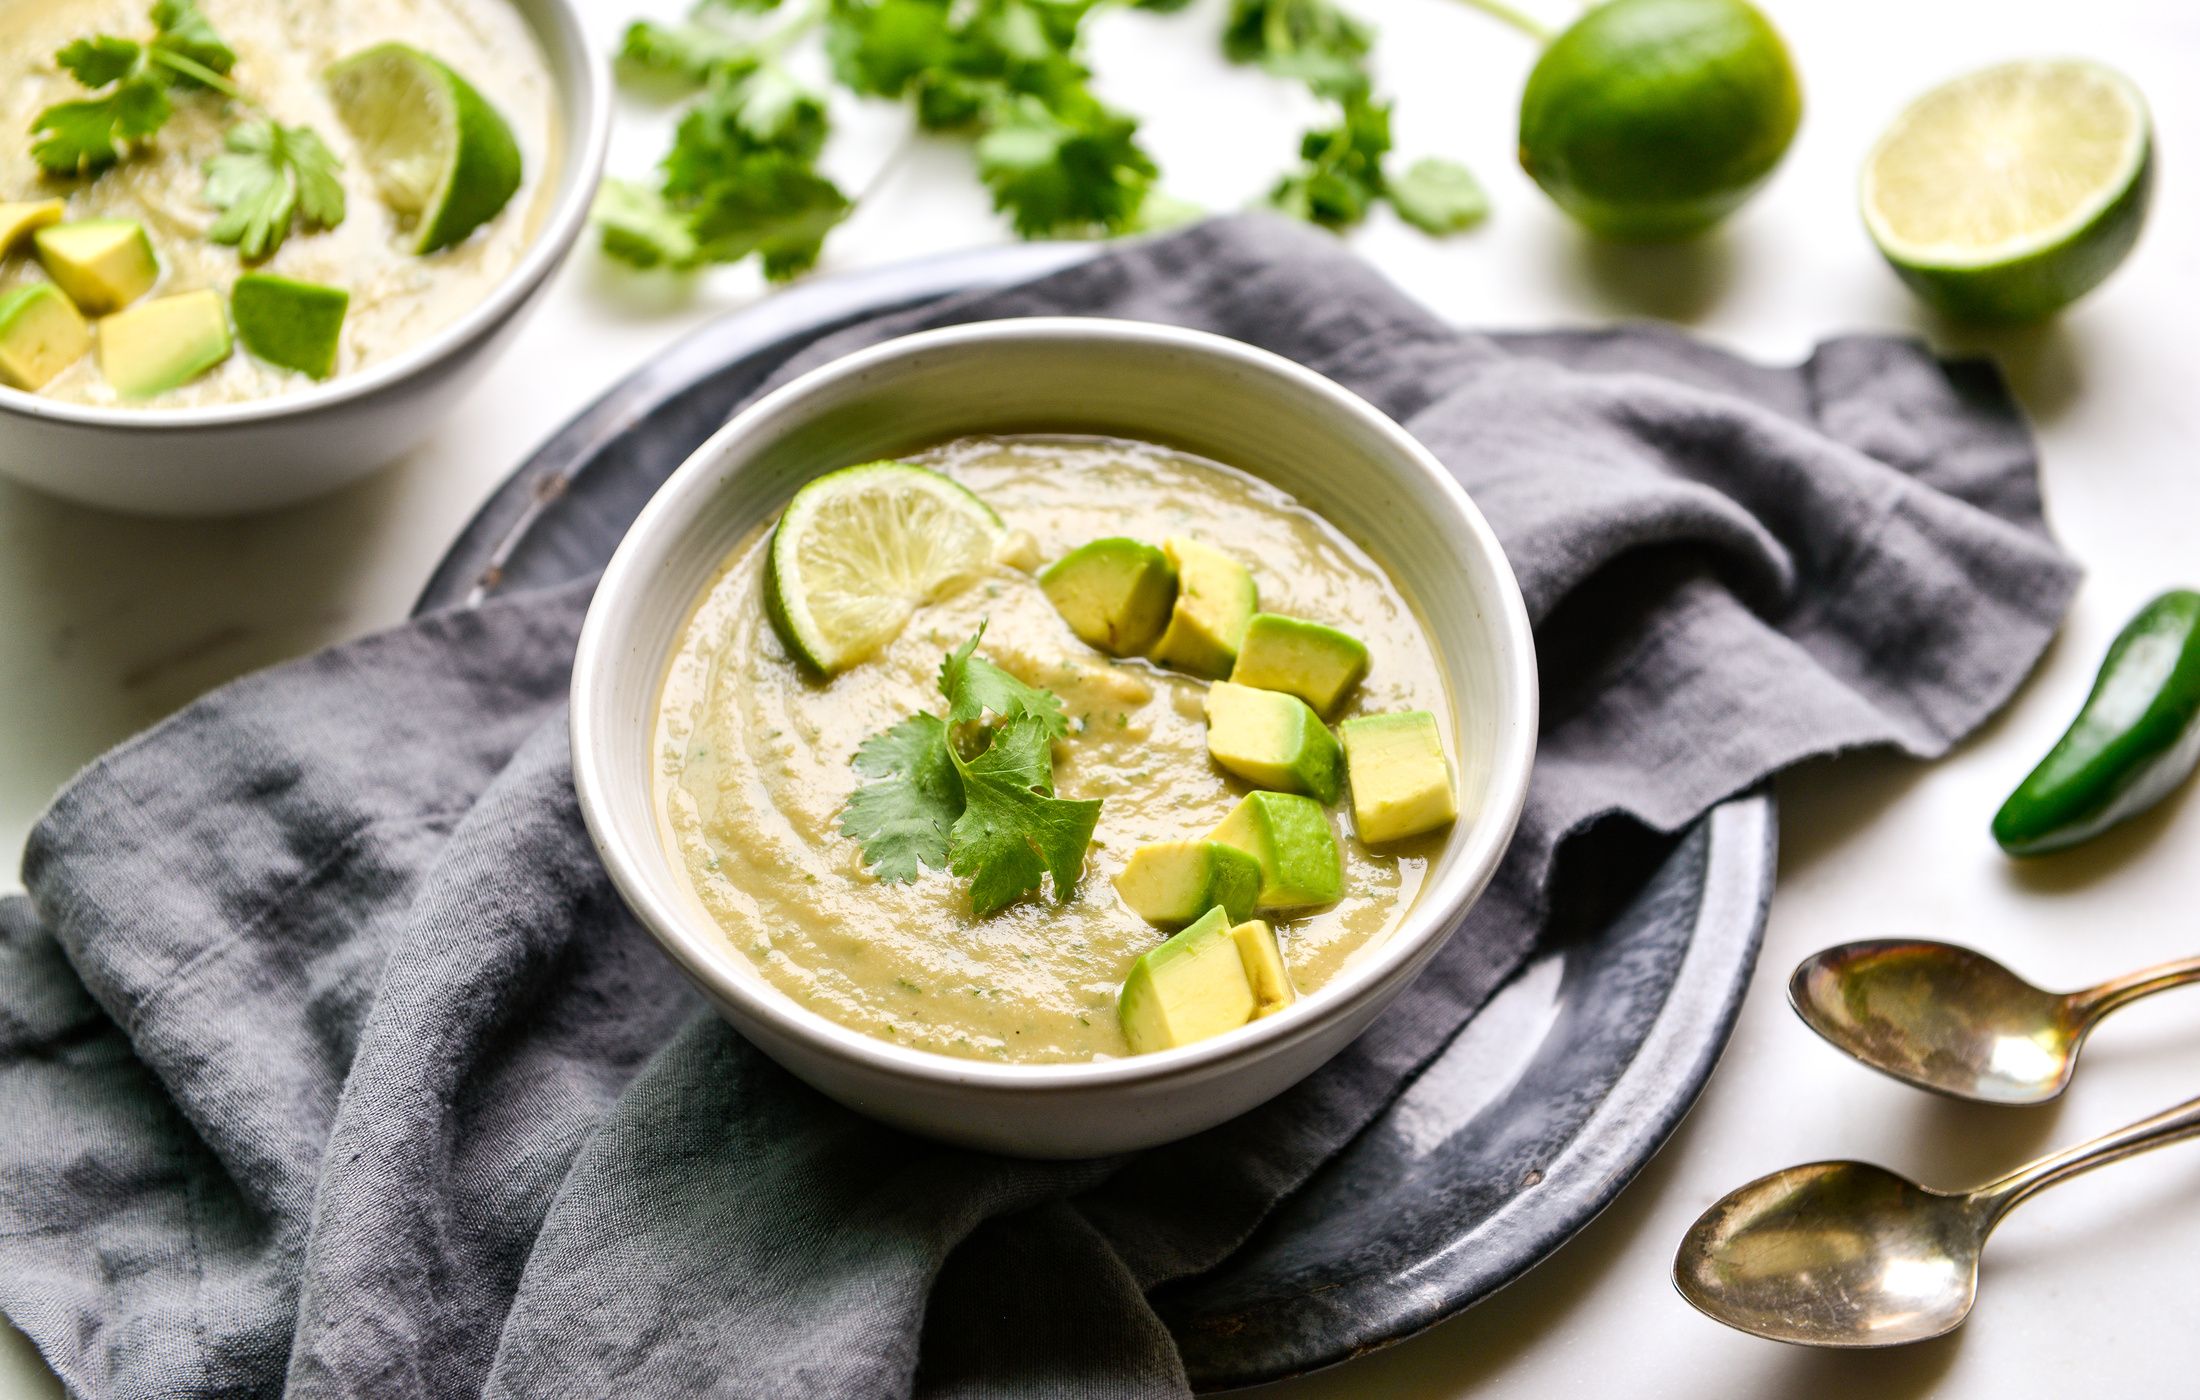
x=1653 y=119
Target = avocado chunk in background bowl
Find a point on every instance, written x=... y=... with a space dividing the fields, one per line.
x=41 y=334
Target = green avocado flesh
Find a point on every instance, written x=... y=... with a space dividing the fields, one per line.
x=296 y=325
x=1273 y=740
x=1215 y=599
x=1289 y=835
x=1115 y=594
x=103 y=264
x=1171 y=883
x=41 y=335
x=159 y=344
x=1401 y=782
x=1191 y=987
x=1318 y=664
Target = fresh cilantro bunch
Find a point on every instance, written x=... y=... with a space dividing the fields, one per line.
x=269 y=174
x=1343 y=168
x=991 y=818
x=742 y=173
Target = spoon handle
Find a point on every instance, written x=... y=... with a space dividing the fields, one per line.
x=1997 y=1199
x=2095 y=1002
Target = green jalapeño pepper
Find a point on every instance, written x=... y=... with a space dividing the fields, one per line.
x=2135 y=740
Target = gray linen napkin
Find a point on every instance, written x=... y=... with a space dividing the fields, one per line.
x=331 y=1065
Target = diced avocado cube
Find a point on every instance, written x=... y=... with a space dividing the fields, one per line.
x=1289 y=835
x=156 y=345
x=296 y=325
x=1215 y=598
x=1318 y=664
x=20 y=219
x=1273 y=989
x=1191 y=987
x=41 y=335
x=1273 y=740
x=103 y=264
x=1401 y=781
x=1171 y=883
x=1113 y=593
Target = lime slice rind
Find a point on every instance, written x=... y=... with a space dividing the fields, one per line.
x=859 y=550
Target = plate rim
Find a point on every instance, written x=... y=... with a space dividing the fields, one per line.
x=1670 y=1067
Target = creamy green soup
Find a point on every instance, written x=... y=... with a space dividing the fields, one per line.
x=397 y=297
x=753 y=761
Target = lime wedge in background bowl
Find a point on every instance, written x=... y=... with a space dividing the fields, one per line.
x=439 y=153
x=2009 y=193
x=860 y=549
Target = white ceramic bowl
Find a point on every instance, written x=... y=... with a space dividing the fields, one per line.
x=1199 y=392
x=263 y=453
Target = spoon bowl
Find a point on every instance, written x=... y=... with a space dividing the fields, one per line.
x=1834 y=1254
x=1943 y=1018
x=1841 y=1254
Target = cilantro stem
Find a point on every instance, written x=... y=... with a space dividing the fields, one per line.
x=775 y=44
x=1518 y=19
x=199 y=72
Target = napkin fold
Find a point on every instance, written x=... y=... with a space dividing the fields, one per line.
x=331 y=1065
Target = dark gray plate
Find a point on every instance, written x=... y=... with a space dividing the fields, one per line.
x=1507 y=1144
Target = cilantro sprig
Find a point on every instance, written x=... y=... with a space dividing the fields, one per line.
x=1009 y=75
x=991 y=818
x=269 y=175
x=1344 y=169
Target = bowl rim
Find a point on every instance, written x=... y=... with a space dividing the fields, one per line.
x=1436 y=914
x=587 y=91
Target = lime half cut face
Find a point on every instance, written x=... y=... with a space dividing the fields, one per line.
x=861 y=549
x=2009 y=193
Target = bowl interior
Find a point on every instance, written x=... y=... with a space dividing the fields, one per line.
x=1181 y=389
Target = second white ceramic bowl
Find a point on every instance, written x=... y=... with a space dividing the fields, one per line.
x=269 y=452
x=1184 y=389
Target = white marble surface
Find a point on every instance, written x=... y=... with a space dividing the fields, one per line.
x=107 y=624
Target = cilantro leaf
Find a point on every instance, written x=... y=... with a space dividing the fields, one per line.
x=775 y=206
x=741 y=178
x=1064 y=171
x=1013 y=829
x=640 y=228
x=1341 y=172
x=1311 y=41
x=100 y=60
x=879 y=49
x=993 y=818
x=268 y=174
x=688 y=52
x=903 y=818
x=1438 y=196
x=78 y=138
x=973 y=686
x=183 y=32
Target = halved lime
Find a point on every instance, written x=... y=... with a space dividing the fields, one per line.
x=2007 y=194
x=438 y=152
x=860 y=549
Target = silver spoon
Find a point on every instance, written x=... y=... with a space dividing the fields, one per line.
x=1843 y=1254
x=1957 y=1022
